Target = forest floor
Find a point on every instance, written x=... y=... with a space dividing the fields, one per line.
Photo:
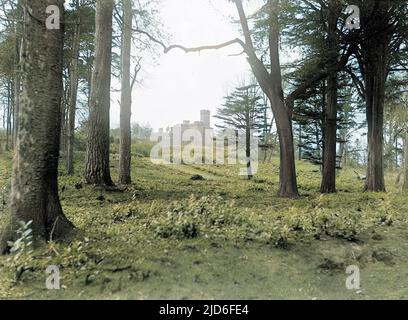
x=170 y=237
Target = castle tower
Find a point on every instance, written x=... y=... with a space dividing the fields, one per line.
x=205 y=118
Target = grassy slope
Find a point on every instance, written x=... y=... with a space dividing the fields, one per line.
x=271 y=251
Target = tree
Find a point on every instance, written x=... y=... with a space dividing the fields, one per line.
x=34 y=195
x=394 y=119
x=328 y=184
x=243 y=112
x=6 y=86
x=126 y=96
x=73 y=92
x=144 y=18
x=308 y=115
x=10 y=60
x=320 y=48
x=97 y=165
x=384 y=28
x=271 y=84
x=78 y=54
x=397 y=121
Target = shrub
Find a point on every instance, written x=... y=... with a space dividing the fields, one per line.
x=188 y=219
x=24 y=238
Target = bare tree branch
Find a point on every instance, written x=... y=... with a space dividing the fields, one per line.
x=208 y=47
x=138 y=67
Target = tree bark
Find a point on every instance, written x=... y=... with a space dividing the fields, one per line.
x=17 y=74
x=287 y=171
x=34 y=194
x=248 y=125
x=329 y=138
x=281 y=111
x=342 y=150
x=16 y=104
x=375 y=118
x=97 y=165
x=72 y=99
x=376 y=50
x=126 y=97
x=328 y=184
x=375 y=76
x=9 y=113
x=405 y=185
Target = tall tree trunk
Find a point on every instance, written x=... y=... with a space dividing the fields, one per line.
x=271 y=84
x=287 y=171
x=405 y=185
x=9 y=113
x=375 y=119
x=126 y=97
x=248 y=136
x=342 y=149
x=34 y=194
x=16 y=104
x=300 y=142
x=375 y=78
x=329 y=137
x=281 y=111
x=376 y=51
x=72 y=99
x=17 y=74
x=97 y=165
x=64 y=118
x=328 y=184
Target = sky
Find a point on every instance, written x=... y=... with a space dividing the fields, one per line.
x=179 y=85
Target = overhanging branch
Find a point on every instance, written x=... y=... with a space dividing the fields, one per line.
x=301 y=89
x=190 y=49
x=208 y=47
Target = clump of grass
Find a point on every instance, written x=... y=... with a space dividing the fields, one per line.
x=325 y=218
x=197 y=215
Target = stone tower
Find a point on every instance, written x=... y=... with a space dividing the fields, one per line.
x=205 y=118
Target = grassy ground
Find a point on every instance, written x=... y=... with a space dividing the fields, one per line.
x=170 y=237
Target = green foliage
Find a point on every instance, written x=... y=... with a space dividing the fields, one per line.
x=188 y=219
x=140 y=147
x=243 y=110
x=24 y=240
x=142 y=132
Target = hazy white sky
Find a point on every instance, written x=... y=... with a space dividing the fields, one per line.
x=183 y=84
